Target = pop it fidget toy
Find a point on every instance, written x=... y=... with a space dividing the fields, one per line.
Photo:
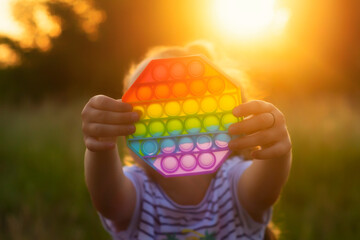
x=186 y=108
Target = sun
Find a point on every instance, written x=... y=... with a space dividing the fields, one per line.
x=8 y=26
x=249 y=18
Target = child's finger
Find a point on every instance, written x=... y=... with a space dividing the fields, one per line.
x=252 y=107
x=107 y=130
x=95 y=145
x=277 y=150
x=106 y=103
x=253 y=124
x=107 y=117
x=261 y=138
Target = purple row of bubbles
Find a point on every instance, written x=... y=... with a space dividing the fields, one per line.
x=188 y=162
x=203 y=142
x=187 y=144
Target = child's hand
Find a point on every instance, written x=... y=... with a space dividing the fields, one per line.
x=104 y=119
x=265 y=126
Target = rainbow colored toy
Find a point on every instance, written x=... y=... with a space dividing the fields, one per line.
x=186 y=108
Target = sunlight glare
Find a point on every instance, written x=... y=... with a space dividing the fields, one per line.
x=8 y=26
x=249 y=18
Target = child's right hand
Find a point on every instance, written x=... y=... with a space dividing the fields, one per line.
x=104 y=119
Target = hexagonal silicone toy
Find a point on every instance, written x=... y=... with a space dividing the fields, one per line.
x=186 y=108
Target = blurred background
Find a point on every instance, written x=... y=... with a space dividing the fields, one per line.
x=304 y=56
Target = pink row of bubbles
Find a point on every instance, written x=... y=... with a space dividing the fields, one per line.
x=188 y=162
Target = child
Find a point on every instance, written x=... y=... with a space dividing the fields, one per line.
x=136 y=202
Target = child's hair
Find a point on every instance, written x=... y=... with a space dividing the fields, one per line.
x=198 y=47
x=229 y=66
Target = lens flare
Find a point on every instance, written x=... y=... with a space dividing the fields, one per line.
x=247 y=19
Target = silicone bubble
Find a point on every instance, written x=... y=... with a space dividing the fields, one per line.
x=169 y=164
x=140 y=130
x=162 y=91
x=204 y=142
x=192 y=125
x=228 y=119
x=197 y=87
x=206 y=160
x=186 y=144
x=160 y=72
x=188 y=162
x=178 y=71
x=227 y=102
x=168 y=145
x=156 y=128
x=211 y=123
x=180 y=89
x=155 y=110
x=149 y=147
x=222 y=140
x=144 y=93
x=208 y=104
x=185 y=106
x=174 y=127
x=196 y=69
x=190 y=106
x=172 y=108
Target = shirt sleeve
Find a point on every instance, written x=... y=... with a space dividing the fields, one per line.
x=251 y=227
x=134 y=174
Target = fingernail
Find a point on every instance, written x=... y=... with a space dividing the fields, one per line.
x=132 y=129
x=135 y=116
x=110 y=145
x=236 y=112
x=253 y=154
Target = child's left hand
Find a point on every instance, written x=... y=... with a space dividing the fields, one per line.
x=264 y=126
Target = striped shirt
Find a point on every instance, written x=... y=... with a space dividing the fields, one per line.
x=218 y=216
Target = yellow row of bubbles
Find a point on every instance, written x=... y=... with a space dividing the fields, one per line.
x=189 y=107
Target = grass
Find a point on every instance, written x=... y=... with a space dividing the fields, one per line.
x=43 y=194
x=42 y=189
x=321 y=198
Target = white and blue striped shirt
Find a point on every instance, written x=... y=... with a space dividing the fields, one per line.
x=218 y=216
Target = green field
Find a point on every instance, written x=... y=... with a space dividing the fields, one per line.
x=43 y=194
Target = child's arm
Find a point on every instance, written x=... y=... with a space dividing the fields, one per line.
x=260 y=185
x=113 y=195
